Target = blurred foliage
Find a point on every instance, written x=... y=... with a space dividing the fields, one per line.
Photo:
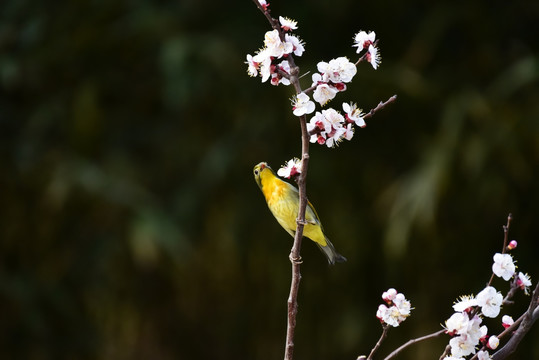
x=131 y=227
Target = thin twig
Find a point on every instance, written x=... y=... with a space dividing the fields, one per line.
x=379 y=342
x=505 y=237
x=446 y=351
x=506 y=233
x=380 y=106
x=413 y=341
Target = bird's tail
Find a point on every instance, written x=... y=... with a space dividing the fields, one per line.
x=330 y=252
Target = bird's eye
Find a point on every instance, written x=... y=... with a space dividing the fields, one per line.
x=256 y=172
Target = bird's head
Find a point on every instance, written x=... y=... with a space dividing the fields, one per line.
x=259 y=170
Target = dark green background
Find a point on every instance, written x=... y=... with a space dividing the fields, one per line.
x=131 y=227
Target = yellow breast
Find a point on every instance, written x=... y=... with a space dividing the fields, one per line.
x=283 y=202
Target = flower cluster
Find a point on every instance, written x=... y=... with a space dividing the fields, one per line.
x=464 y=326
x=270 y=61
x=332 y=78
x=396 y=310
x=330 y=127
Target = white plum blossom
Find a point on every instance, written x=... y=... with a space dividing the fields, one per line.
x=302 y=105
x=288 y=24
x=362 y=40
x=483 y=355
x=398 y=310
x=373 y=56
x=275 y=46
x=337 y=130
x=319 y=124
x=349 y=132
x=338 y=70
x=490 y=301
x=324 y=93
x=507 y=321
x=503 y=266
x=290 y=169
x=453 y=358
x=333 y=117
x=493 y=342
x=462 y=345
x=297 y=44
x=390 y=315
x=402 y=304
x=264 y=4
x=465 y=303
x=252 y=66
x=457 y=324
x=524 y=282
x=466 y=332
x=319 y=79
x=277 y=78
x=475 y=330
x=263 y=61
x=354 y=114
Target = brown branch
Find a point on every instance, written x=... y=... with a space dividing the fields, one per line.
x=530 y=316
x=505 y=237
x=379 y=342
x=273 y=22
x=506 y=232
x=504 y=333
x=380 y=106
x=413 y=341
x=295 y=257
x=446 y=351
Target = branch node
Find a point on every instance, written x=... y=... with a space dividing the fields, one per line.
x=295 y=260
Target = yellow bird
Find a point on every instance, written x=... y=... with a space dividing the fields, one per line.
x=283 y=201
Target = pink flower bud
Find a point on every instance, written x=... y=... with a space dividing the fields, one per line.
x=389 y=295
x=493 y=342
x=507 y=321
x=513 y=244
